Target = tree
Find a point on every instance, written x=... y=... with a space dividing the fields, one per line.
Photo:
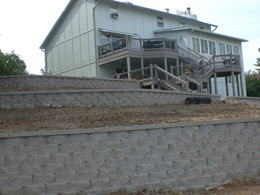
x=252 y=84
x=11 y=64
x=258 y=63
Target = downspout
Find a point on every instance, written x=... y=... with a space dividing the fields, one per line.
x=95 y=36
x=243 y=70
x=216 y=27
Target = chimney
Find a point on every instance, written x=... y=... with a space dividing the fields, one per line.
x=167 y=10
x=188 y=11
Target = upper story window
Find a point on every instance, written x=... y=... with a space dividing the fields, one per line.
x=160 y=21
x=229 y=49
x=204 y=46
x=196 y=44
x=222 y=49
x=235 y=50
x=114 y=12
x=212 y=47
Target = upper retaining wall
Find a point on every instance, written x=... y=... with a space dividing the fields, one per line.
x=69 y=98
x=54 y=82
x=96 y=161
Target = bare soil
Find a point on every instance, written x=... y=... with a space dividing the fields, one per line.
x=48 y=118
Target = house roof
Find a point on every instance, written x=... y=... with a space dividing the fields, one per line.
x=159 y=12
x=200 y=31
x=71 y=2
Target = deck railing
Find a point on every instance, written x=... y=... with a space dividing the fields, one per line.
x=136 y=44
x=220 y=61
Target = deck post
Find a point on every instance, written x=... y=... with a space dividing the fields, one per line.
x=241 y=84
x=152 y=79
x=172 y=72
x=181 y=69
x=226 y=83
x=210 y=87
x=201 y=87
x=166 y=67
x=233 y=83
x=178 y=67
x=215 y=83
x=128 y=67
x=142 y=65
x=238 y=88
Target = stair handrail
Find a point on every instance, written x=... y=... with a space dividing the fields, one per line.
x=184 y=83
x=211 y=64
x=192 y=55
x=135 y=70
x=191 y=80
x=171 y=86
x=197 y=54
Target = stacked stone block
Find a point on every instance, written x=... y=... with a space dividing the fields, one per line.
x=99 y=161
x=249 y=100
x=91 y=98
x=57 y=82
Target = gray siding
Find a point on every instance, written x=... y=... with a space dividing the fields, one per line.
x=71 y=52
x=135 y=21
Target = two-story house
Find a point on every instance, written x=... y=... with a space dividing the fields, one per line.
x=98 y=38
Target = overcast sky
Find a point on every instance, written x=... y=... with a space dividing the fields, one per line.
x=24 y=24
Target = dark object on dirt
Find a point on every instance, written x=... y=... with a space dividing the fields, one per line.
x=197 y=100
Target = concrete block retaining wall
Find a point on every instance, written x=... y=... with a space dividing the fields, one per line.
x=98 y=161
x=47 y=82
x=68 y=98
x=252 y=100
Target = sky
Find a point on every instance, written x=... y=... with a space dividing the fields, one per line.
x=24 y=24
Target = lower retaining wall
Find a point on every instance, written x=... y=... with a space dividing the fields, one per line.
x=245 y=99
x=94 y=98
x=98 y=161
x=55 y=82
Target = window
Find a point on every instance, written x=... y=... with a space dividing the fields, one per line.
x=160 y=22
x=196 y=44
x=222 y=49
x=204 y=46
x=104 y=39
x=229 y=49
x=235 y=50
x=212 y=47
x=159 y=17
x=114 y=12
